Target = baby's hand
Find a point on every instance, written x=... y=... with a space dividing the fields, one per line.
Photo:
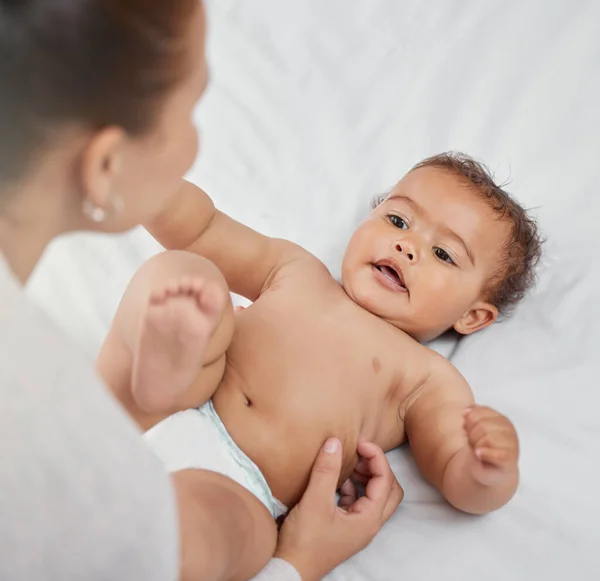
x=494 y=441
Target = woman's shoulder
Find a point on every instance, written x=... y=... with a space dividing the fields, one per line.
x=76 y=477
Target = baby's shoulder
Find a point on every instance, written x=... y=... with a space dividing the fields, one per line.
x=432 y=381
x=300 y=265
x=444 y=379
x=423 y=370
x=412 y=353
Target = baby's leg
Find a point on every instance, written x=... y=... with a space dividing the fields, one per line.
x=225 y=531
x=175 y=321
x=179 y=321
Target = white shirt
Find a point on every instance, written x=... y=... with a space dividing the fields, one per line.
x=81 y=496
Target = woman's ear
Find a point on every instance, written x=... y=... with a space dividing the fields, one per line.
x=478 y=317
x=101 y=165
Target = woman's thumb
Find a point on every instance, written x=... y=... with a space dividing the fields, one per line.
x=325 y=473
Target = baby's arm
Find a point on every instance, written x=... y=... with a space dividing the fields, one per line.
x=247 y=259
x=468 y=452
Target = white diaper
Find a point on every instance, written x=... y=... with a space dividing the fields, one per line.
x=197 y=438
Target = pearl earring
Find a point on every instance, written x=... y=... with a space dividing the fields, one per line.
x=92 y=212
x=97 y=214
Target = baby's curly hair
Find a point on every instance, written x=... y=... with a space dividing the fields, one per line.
x=516 y=274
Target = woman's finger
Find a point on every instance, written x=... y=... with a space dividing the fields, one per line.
x=324 y=476
x=362 y=467
x=378 y=487
x=348 y=493
x=394 y=500
x=361 y=478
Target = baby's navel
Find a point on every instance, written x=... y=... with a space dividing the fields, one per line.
x=376 y=364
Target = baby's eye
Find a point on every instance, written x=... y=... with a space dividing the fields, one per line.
x=398 y=222
x=443 y=255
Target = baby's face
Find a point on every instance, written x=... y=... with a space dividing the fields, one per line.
x=423 y=257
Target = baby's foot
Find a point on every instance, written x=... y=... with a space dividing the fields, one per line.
x=179 y=322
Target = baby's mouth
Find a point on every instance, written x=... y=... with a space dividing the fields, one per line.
x=392 y=273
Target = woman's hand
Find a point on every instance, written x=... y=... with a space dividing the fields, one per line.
x=317 y=535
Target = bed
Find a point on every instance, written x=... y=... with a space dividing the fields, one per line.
x=316 y=106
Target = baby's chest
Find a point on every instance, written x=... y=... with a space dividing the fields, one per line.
x=321 y=346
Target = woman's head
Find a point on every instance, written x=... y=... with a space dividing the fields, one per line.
x=106 y=88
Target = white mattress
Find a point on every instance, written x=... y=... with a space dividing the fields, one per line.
x=315 y=106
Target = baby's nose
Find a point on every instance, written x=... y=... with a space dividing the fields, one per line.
x=406 y=249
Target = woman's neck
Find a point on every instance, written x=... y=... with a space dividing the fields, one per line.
x=27 y=227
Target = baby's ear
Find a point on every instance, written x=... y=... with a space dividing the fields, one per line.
x=478 y=317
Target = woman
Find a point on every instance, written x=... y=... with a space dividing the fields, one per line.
x=96 y=132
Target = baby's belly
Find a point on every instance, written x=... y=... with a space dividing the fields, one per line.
x=283 y=435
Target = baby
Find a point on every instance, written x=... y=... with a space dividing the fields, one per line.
x=311 y=358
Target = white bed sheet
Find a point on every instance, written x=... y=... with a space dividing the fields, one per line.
x=315 y=106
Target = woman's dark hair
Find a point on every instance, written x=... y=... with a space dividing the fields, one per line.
x=93 y=62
